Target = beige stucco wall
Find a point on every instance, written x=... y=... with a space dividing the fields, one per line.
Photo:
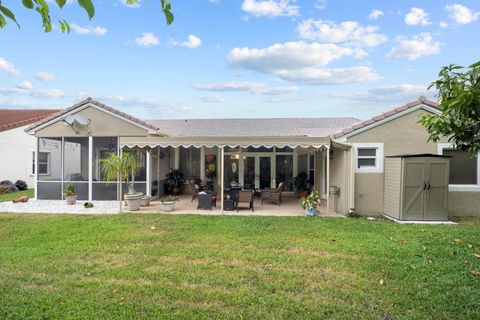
x=16 y=149
x=102 y=124
x=402 y=136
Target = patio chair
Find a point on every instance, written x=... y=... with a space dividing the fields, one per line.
x=193 y=189
x=245 y=196
x=273 y=195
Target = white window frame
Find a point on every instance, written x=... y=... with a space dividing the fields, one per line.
x=378 y=157
x=48 y=163
x=461 y=187
x=31 y=163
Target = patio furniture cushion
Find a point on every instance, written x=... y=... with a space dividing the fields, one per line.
x=245 y=196
x=273 y=195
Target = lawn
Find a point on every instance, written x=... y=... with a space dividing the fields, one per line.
x=14 y=195
x=165 y=266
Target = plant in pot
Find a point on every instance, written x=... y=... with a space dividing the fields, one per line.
x=300 y=184
x=124 y=167
x=168 y=203
x=174 y=181
x=69 y=194
x=310 y=203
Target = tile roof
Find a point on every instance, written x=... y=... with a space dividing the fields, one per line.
x=14 y=118
x=266 y=127
x=98 y=104
x=421 y=100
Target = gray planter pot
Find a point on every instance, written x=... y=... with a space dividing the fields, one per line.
x=133 y=201
x=71 y=199
x=168 y=206
x=145 y=201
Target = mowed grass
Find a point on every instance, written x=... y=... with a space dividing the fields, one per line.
x=14 y=195
x=119 y=267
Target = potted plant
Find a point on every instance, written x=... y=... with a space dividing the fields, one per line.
x=300 y=184
x=174 y=181
x=125 y=167
x=69 y=194
x=310 y=203
x=168 y=203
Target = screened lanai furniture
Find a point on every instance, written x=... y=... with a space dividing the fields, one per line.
x=206 y=200
x=193 y=189
x=273 y=195
x=416 y=187
x=245 y=196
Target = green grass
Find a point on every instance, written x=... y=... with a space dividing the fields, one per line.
x=14 y=195
x=111 y=267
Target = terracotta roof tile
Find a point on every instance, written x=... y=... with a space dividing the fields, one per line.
x=14 y=118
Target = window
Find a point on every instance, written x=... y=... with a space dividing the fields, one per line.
x=43 y=163
x=311 y=170
x=463 y=168
x=369 y=157
x=190 y=162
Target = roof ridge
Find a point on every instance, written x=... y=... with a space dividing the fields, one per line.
x=362 y=123
x=283 y=118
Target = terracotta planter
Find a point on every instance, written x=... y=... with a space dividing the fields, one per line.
x=133 y=201
x=302 y=194
x=71 y=199
x=168 y=206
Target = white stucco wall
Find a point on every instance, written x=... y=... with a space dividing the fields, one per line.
x=15 y=158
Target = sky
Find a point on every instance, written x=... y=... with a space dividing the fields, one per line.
x=237 y=58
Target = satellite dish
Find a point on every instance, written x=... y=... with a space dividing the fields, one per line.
x=76 y=120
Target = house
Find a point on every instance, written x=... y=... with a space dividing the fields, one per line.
x=16 y=146
x=342 y=154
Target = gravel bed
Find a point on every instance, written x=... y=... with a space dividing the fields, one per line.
x=59 y=206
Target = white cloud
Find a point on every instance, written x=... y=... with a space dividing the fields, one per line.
x=393 y=93
x=289 y=55
x=45 y=76
x=192 y=42
x=252 y=87
x=416 y=17
x=25 y=85
x=270 y=8
x=8 y=67
x=215 y=98
x=147 y=39
x=150 y=108
x=349 y=32
x=330 y=76
x=303 y=62
x=321 y=4
x=88 y=30
x=415 y=47
x=443 y=24
x=214 y=1
x=461 y=14
x=22 y=89
x=375 y=14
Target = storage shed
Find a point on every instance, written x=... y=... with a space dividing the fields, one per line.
x=416 y=187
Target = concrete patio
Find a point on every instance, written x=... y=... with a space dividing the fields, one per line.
x=289 y=207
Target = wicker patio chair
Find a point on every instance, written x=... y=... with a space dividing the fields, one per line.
x=273 y=195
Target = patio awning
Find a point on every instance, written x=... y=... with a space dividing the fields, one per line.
x=232 y=142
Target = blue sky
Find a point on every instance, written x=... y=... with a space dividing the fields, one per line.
x=243 y=58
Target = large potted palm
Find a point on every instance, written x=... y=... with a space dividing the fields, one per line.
x=174 y=181
x=124 y=167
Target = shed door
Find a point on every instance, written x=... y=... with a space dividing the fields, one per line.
x=437 y=190
x=413 y=184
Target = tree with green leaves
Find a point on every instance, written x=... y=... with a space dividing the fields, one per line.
x=43 y=9
x=459 y=94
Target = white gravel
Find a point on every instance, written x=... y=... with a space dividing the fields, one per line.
x=59 y=206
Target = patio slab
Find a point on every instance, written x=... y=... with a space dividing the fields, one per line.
x=59 y=207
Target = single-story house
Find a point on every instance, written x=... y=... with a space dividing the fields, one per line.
x=254 y=153
x=16 y=146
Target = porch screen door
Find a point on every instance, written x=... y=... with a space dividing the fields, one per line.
x=249 y=172
x=264 y=172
